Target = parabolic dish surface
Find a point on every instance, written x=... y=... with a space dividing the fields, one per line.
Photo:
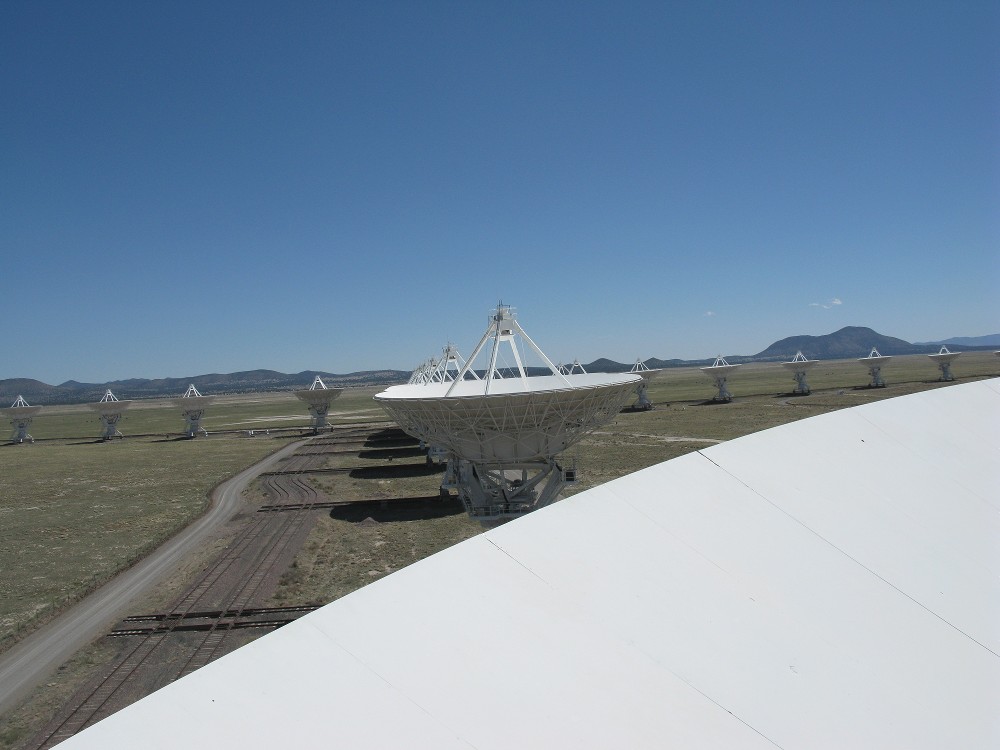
x=831 y=583
x=518 y=420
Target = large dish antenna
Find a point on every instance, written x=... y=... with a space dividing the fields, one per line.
x=503 y=429
x=875 y=362
x=110 y=410
x=193 y=405
x=318 y=398
x=944 y=358
x=719 y=372
x=799 y=366
x=21 y=414
x=640 y=368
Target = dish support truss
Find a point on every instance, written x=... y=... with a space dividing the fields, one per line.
x=193 y=414
x=722 y=369
x=642 y=403
x=503 y=491
x=21 y=422
x=944 y=363
x=319 y=402
x=874 y=362
x=110 y=418
x=801 y=386
x=514 y=470
x=504 y=330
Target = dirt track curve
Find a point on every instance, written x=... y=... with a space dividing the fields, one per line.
x=30 y=661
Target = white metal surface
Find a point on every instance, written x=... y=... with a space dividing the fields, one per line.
x=777 y=590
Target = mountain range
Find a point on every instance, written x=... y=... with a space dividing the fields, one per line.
x=852 y=341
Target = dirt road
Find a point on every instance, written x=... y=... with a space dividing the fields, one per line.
x=31 y=661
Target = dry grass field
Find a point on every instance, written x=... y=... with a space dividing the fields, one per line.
x=74 y=511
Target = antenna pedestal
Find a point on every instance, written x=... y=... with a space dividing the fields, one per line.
x=500 y=492
x=642 y=403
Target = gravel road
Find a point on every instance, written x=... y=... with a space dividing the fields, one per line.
x=33 y=659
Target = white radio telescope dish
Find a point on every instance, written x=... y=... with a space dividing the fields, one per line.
x=110 y=410
x=193 y=405
x=502 y=427
x=875 y=362
x=21 y=415
x=944 y=358
x=799 y=366
x=719 y=372
x=642 y=370
x=318 y=398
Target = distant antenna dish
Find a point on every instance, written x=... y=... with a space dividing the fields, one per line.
x=640 y=368
x=574 y=369
x=21 y=415
x=318 y=398
x=504 y=429
x=875 y=362
x=193 y=405
x=944 y=358
x=110 y=410
x=719 y=372
x=799 y=367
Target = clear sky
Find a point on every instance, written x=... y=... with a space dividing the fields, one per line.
x=211 y=187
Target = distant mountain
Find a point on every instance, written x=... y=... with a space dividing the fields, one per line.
x=852 y=341
x=991 y=340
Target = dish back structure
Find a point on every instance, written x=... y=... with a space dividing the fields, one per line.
x=719 y=372
x=502 y=429
x=21 y=414
x=874 y=362
x=110 y=410
x=640 y=368
x=318 y=398
x=944 y=358
x=799 y=366
x=193 y=405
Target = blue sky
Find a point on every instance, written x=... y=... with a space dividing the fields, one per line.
x=212 y=187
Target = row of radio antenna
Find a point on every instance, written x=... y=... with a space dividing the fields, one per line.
x=497 y=430
x=111 y=410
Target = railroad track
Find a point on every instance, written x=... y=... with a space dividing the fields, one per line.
x=219 y=603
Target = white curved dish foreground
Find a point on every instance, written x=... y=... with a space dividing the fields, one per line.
x=834 y=582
